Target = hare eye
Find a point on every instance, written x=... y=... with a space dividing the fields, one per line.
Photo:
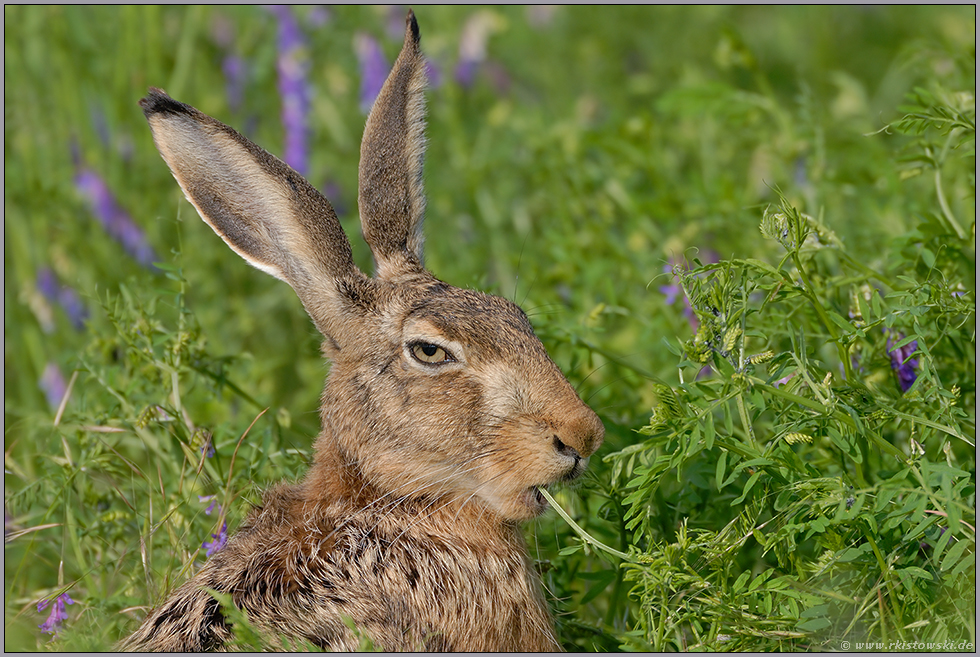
x=431 y=354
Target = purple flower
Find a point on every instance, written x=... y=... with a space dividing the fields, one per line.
x=318 y=16
x=123 y=144
x=433 y=74
x=219 y=540
x=473 y=46
x=204 y=438
x=209 y=498
x=232 y=65
x=465 y=72
x=101 y=125
x=395 y=22
x=332 y=191
x=235 y=72
x=783 y=381
x=374 y=69
x=47 y=284
x=673 y=291
x=902 y=361
x=292 y=65
x=58 y=614
x=222 y=536
x=53 y=385
x=113 y=218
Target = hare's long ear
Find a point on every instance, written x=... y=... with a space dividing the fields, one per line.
x=390 y=195
x=263 y=209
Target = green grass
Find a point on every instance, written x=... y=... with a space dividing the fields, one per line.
x=596 y=149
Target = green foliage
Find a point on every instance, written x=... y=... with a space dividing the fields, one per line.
x=734 y=216
x=847 y=507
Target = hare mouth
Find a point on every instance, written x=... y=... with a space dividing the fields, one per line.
x=534 y=499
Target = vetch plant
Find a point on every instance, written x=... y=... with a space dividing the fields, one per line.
x=58 y=613
x=374 y=69
x=292 y=66
x=67 y=298
x=848 y=490
x=116 y=221
x=789 y=457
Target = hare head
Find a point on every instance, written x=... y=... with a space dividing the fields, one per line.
x=435 y=393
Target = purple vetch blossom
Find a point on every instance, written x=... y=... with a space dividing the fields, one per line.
x=674 y=291
x=395 y=21
x=336 y=197
x=120 y=142
x=213 y=500
x=433 y=74
x=221 y=537
x=47 y=284
x=293 y=65
x=206 y=440
x=902 y=362
x=318 y=16
x=101 y=125
x=58 y=614
x=113 y=218
x=235 y=71
x=53 y=384
x=232 y=65
x=219 y=540
x=783 y=381
x=465 y=72
x=473 y=46
x=374 y=69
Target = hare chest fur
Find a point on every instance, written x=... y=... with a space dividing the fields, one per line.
x=409 y=579
x=442 y=415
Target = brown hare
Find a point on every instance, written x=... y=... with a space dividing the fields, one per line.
x=442 y=414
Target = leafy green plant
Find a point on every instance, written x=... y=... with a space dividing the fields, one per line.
x=822 y=464
x=807 y=473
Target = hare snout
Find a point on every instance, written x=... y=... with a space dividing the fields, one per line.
x=578 y=430
x=577 y=463
x=566 y=450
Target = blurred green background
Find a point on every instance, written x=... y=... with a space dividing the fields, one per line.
x=574 y=153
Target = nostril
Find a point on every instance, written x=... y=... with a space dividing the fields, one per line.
x=567 y=450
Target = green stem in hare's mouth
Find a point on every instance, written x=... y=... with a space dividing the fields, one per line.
x=581 y=532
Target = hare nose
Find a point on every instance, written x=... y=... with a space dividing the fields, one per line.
x=566 y=450
x=580 y=436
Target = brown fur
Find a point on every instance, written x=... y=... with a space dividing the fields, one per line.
x=408 y=520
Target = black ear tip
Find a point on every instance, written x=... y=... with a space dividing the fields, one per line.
x=413 y=25
x=158 y=102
